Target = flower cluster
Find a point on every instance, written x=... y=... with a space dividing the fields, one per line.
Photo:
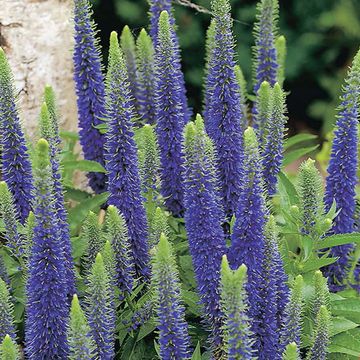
x=193 y=242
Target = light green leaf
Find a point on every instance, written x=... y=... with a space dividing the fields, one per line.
x=289 y=188
x=316 y=264
x=69 y=135
x=83 y=165
x=146 y=329
x=341 y=324
x=297 y=154
x=347 y=342
x=197 y=353
x=298 y=138
x=348 y=308
x=336 y=240
x=78 y=213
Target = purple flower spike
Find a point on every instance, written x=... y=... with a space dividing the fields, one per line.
x=15 y=162
x=90 y=90
x=121 y=157
x=265 y=32
x=342 y=179
x=224 y=116
x=170 y=115
x=203 y=219
x=47 y=308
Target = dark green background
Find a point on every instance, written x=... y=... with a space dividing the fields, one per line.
x=322 y=35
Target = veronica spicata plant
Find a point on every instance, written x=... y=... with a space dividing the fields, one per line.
x=234 y=304
x=342 y=172
x=170 y=115
x=9 y=349
x=174 y=340
x=81 y=343
x=48 y=129
x=203 y=219
x=199 y=242
x=7 y=326
x=145 y=78
x=90 y=89
x=47 y=309
x=224 y=116
x=121 y=157
x=100 y=311
x=15 y=161
x=265 y=54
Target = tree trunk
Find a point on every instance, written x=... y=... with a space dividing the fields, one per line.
x=37 y=36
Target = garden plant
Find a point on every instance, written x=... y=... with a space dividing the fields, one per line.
x=191 y=239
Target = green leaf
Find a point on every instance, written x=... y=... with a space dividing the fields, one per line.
x=69 y=135
x=78 y=245
x=157 y=348
x=76 y=194
x=315 y=264
x=191 y=299
x=297 y=154
x=146 y=329
x=78 y=213
x=338 y=356
x=297 y=139
x=347 y=342
x=348 y=308
x=83 y=165
x=341 y=324
x=340 y=239
x=289 y=188
x=197 y=353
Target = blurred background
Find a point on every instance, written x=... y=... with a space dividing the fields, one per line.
x=322 y=36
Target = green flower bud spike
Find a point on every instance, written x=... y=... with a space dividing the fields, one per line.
x=291 y=352
x=320 y=341
x=9 y=350
x=81 y=344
